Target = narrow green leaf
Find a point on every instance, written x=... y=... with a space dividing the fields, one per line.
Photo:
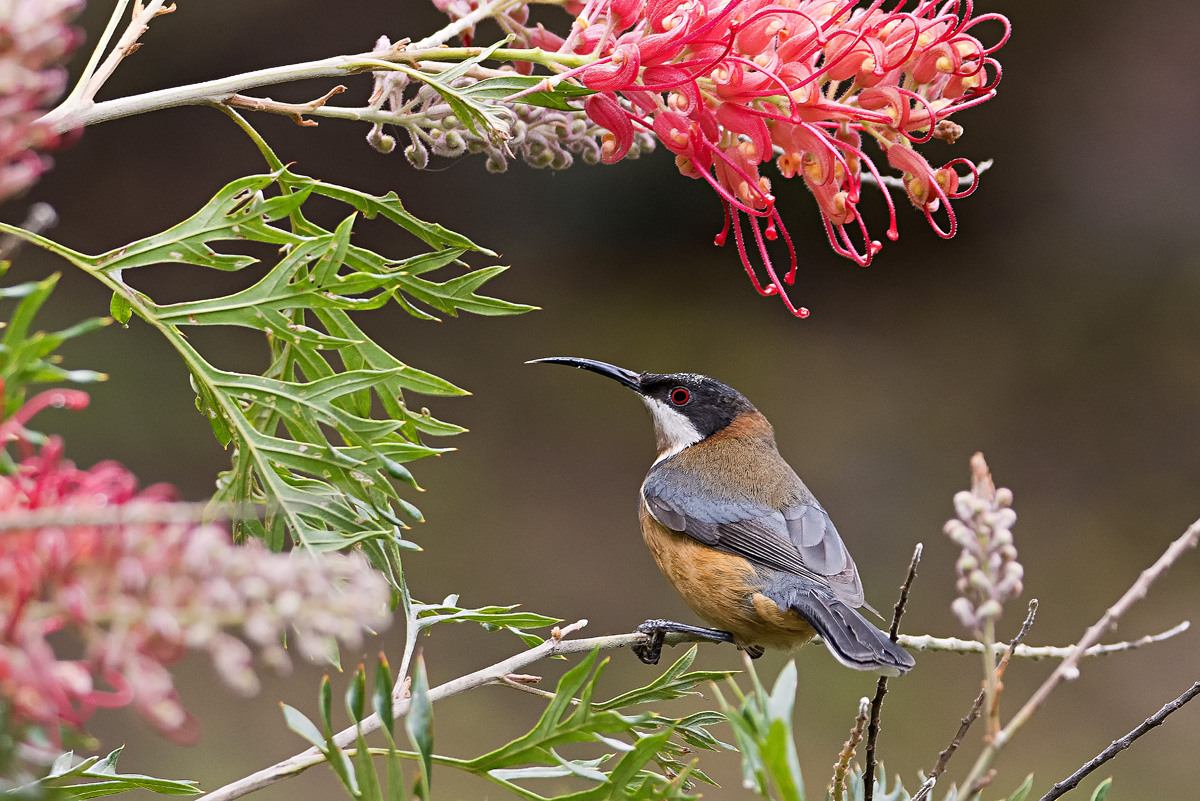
x=1102 y=789
x=419 y=724
x=1023 y=791
x=356 y=695
x=120 y=308
x=298 y=722
x=557 y=98
x=325 y=703
x=364 y=771
x=381 y=698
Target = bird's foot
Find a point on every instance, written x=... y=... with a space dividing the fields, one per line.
x=753 y=651
x=656 y=630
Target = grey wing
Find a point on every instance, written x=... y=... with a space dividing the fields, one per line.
x=822 y=549
x=800 y=539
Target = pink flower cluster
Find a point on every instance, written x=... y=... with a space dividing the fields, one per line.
x=727 y=85
x=34 y=39
x=140 y=592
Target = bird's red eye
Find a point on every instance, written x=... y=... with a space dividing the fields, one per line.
x=680 y=396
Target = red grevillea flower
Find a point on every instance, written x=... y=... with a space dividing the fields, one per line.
x=138 y=594
x=730 y=84
x=34 y=39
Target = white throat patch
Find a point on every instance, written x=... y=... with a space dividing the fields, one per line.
x=673 y=430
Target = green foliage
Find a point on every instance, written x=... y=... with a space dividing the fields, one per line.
x=633 y=742
x=318 y=438
x=419 y=725
x=63 y=780
x=486 y=120
x=1022 y=792
x=856 y=789
x=762 y=727
x=27 y=357
x=492 y=618
x=1102 y=789
x=500 y=88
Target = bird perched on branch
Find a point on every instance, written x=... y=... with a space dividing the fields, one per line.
x=738 y=534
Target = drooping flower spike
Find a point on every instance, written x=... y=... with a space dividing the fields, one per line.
x=727 y=85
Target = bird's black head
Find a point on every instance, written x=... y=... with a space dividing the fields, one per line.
x=686 y=407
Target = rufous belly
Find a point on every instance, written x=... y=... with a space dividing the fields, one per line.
x=723 y=589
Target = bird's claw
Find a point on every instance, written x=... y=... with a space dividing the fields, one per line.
x=656 y=631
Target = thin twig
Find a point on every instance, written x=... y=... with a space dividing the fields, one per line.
x=837 y=788
x=139 y=23
x=39 y=218
x=456 y=27
x=965 y=724
x=294 y=110
x=492 y=674
x=1069 y=783
x=130 y=514
x=954 y=645
x=89 y=69
x=1069 y=667
x=896 y=182
x=881 y=687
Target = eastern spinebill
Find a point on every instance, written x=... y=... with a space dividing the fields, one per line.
x=737 y=532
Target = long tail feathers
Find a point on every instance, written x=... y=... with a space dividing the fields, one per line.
x=851 y=639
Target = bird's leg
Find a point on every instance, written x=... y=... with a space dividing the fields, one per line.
x=656 y=630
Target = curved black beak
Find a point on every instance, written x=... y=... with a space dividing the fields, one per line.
x=627 y=377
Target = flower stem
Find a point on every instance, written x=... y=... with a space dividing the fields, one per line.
x=990 y=682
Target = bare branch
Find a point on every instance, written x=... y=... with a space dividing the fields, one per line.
x=954 y=645
x=881 y=688
x=67 y=117
x=1069 y=668
x=1072 y=781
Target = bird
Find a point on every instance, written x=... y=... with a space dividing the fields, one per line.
x=737 y=532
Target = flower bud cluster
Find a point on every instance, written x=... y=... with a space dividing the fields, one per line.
x=34 y=39
x=729 y=86
x=541 y=137
x=989 y=574
x=140 y=594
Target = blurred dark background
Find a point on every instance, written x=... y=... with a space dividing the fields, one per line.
x=1058 y=333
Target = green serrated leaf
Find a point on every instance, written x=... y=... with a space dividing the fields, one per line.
x=319 y=439
x=110 y=782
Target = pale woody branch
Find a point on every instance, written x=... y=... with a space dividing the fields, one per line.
x=499 y=674
x=925 y=642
